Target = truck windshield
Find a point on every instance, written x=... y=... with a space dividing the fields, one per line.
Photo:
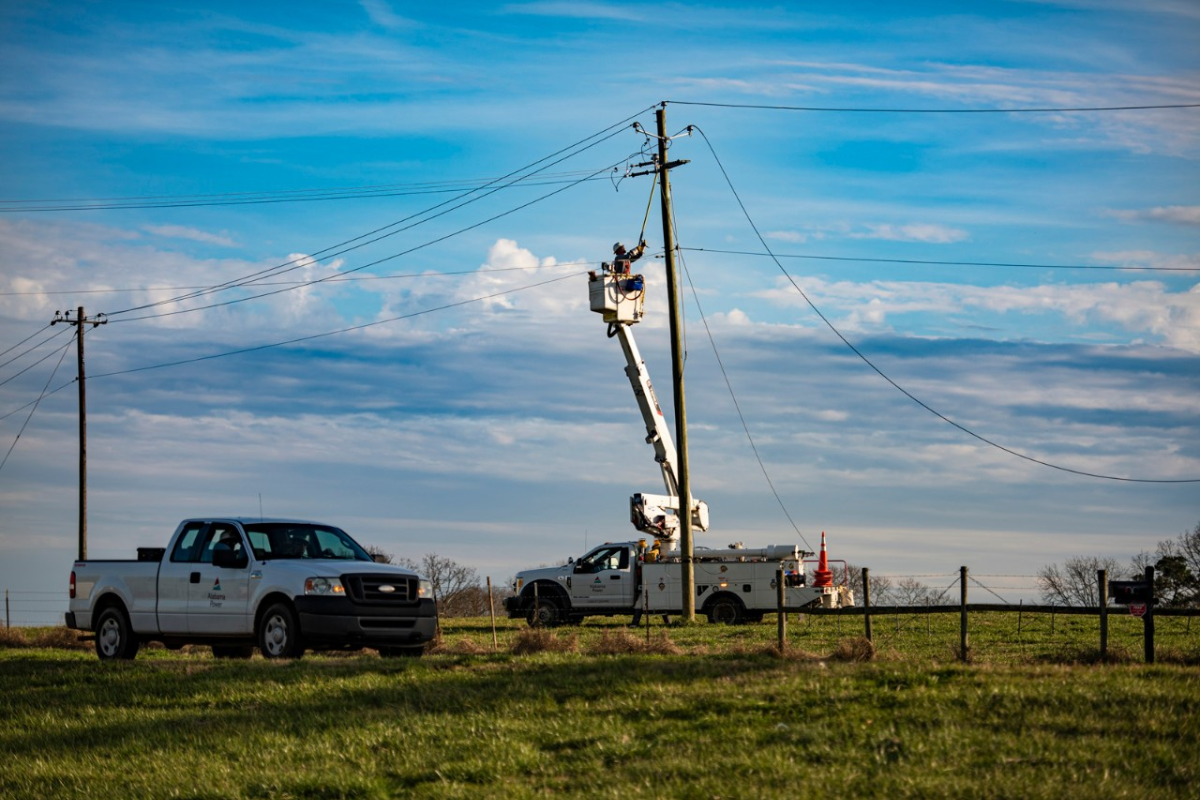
x=276 y=540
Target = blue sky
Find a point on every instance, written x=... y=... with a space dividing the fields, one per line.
x=501 y=432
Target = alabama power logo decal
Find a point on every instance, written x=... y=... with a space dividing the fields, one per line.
x=215 y=597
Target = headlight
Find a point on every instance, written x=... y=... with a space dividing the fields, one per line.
x=325 y=586
x=425 y=589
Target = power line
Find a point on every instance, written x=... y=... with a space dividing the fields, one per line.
x=733 y=396
x=295 y=196
x=340 y=278
x=363 y=326
x=29 y=350
x=31 y=366
x=918 y=261
x=867 y=110
x=333 y=250
x=370 y=263
x=23 y=341
x=37 y=402
x=884 y=375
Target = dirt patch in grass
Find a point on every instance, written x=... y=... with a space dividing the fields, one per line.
x=13 y=637
x=612 y=643
x=64 y=638
x=540 y=640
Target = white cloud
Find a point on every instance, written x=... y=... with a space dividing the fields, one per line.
x=1179 y=215
x=916 y=232
x=192 y=234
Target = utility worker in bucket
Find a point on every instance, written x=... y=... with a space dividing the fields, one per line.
x=623 y=258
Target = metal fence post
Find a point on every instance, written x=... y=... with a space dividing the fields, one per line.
x=1102 y=592
x=492 y=611
x=1148 y=620
x=866 y=575
x=963 y=643
x=782 y=616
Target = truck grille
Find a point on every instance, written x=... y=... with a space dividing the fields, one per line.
x=371 y=589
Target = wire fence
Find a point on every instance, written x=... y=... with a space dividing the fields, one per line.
x=34 y=609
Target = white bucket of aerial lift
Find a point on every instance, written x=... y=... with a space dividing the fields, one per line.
x=618 y=297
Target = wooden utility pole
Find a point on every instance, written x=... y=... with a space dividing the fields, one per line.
x=81 y=322
x=687 y=582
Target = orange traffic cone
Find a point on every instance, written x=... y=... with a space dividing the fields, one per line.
x=823 y=576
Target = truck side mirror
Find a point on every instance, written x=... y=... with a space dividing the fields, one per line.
x=225 y=558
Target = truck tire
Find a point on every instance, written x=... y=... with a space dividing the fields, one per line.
x=726 y=610
x=279 y=633
x=546 y=613
x=403 y=651
x=114 y=635
x=232 y=650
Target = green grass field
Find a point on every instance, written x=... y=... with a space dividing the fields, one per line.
x=700 y=711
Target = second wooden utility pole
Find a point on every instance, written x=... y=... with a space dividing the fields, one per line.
x=81 y=322
x=688 y=581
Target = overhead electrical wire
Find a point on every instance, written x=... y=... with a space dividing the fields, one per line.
x=376 y=262
x=862 y=356
x=311 y=337
x=729 y=386
x=930 y=262
x=37 y=402
x=326 y=334
x=35 y=363
x=869 y=110
x=348 y=245
x=232 y=199
x=336 y=279
x=26 y=339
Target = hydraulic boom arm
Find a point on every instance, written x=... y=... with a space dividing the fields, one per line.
x=619 y=296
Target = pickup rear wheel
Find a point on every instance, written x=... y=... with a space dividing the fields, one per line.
x=279 y=633
x=726 y=611
x=114 y=635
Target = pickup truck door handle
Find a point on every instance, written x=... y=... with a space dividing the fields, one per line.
x=195 y=577
x=614 y=577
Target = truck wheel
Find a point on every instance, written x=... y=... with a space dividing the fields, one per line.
x=232 y=651
x=547 y=613
x=114 y=635
x=406 y=651
x=726 y=610
x=279 y=633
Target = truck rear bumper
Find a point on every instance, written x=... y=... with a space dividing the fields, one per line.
x=341 y=621
x=71 y=620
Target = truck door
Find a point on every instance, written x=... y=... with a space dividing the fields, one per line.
x=174 y=576
x=604 y=578
x=218 y=603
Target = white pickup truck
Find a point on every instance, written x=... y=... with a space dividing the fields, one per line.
x=233 y=584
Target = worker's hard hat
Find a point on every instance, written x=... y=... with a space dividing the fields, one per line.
x=618 y=247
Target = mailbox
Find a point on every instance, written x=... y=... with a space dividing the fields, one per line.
x=1126 y=592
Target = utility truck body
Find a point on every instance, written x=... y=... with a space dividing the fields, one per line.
x=234 y=584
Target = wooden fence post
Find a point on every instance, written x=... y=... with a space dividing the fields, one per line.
x=1102 y=593
x=782 y=616
x=492 y=611
x=963 y=643
x=1148 y=620
x=866 y=575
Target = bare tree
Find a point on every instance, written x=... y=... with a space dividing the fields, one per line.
x=380 y=555
x=1074 y=583
x=881 y=585
x=455 y=585
x=911 y=592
